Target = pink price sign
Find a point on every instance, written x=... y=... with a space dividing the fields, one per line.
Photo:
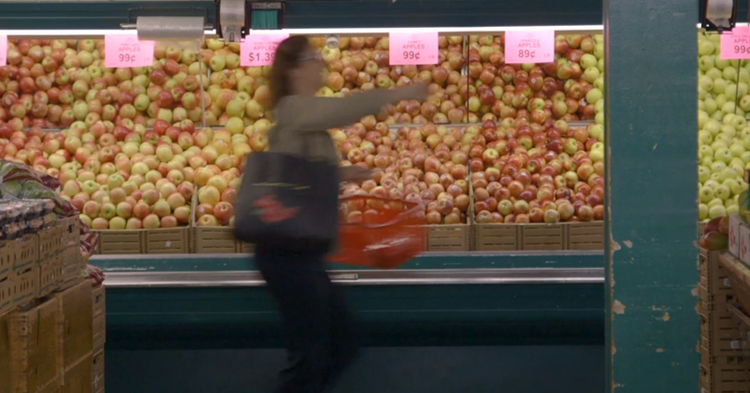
x=125 y=51
x=534 y=46
x=259 y=49
x=413 y=48
x=3 y=50
x=736 y=44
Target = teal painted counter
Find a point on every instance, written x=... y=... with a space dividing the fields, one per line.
x=390 y=315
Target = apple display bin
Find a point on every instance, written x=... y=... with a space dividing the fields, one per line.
x=379 y=232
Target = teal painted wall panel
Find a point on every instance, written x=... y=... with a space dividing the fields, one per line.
x=651 y=103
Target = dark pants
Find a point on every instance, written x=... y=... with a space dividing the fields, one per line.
x=320 y=329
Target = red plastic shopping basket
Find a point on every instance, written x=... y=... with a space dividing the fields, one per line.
x=379 y=232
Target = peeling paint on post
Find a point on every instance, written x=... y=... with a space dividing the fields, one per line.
x=651 y=102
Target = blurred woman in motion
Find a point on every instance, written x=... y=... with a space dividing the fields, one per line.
x=320 y=329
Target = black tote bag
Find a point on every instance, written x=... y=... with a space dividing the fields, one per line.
x=288 y=202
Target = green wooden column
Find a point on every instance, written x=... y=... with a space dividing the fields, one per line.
x=651 y=117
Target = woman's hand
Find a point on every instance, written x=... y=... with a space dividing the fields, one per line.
x=355 y=173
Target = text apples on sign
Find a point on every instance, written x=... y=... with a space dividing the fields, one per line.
x=127 y=51
x=413 y=48
x=529 y=46
x=259 y=49
x=3 y=50
x=736 y=44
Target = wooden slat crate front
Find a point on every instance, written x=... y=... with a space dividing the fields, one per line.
x=167 y=240
x=713 y=275
x=721 y=335
x=726 y=375
x=496 y=237
x=542 y=236
x=114 y=242
x=214 y=240
x=585 y=235
x=50 y=275
x=456 y=237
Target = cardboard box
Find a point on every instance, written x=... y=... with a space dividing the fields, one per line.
x=26 y=251
x=25 y=284
x=77 y=321
x=99 y=319
x=5 y=356
x=78 y=376
x=745 y=244
x=50 y=275
x=98 y=373
x=6 y=294
x=34 y=342
x=7 y=258
x=735 y=222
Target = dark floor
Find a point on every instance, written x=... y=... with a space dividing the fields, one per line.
x=521 y=369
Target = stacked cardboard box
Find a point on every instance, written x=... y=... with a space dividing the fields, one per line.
x=100 y=329
x=724 y=367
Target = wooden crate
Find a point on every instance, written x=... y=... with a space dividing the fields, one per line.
x=167 y=240
x=35 y=348
x=27 y=251
x=455 y=237
x=97 y=373
x=99 y=315
x=542 y=236
x=739 y=276
x=113 y=242
x=214 y=240
x=25 y=284
x=244 y=248
x=713 y=304
x=721 y=335
x=713 y=276
x=50 y=272
x=6 y=294
x=585 y=235
x=496 y=237
x=726 y=375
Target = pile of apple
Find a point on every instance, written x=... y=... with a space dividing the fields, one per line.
x=55 y=83
x=219 y=177
x=532 y=173
x=362 y=63
x=239 y=95
x=724 y=134
x=567 y=89
x=123 y=178
x=425 y=164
